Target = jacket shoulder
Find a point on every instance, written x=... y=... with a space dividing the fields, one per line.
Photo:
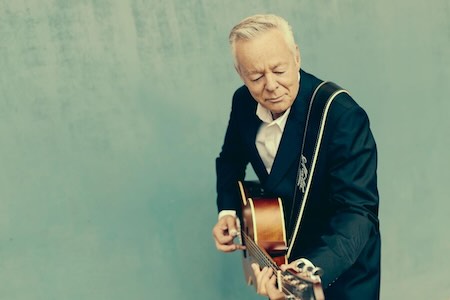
x=243 y=100
x=344 y=103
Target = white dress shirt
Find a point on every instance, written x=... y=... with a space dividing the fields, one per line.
x=269 y=135
x=267 y=140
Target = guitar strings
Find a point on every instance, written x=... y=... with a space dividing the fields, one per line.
x=262 y=259
x=265 y=260
x=258 y=254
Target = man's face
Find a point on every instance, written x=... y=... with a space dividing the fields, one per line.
x=269 y=68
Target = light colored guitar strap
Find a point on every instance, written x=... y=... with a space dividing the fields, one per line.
x=319 y=106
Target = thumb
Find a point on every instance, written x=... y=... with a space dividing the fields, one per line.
x=231 y=225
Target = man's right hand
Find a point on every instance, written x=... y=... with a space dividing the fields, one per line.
x=224 y=233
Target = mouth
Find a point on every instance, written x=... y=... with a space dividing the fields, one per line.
x=275 y=99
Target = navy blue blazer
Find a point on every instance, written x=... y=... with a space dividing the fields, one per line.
x=339 y=230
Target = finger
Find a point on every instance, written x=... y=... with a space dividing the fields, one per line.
x=230 y=247
x=257 y=272
x=266 y=274
x=240 y=247
x=292 y=265
x=221 y=235
x=272 y=290
x=220 y=232
x=230 y=222
x=256 y=269
x=224 y=241
x=261 y=278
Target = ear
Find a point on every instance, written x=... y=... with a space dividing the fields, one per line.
x=297 y=57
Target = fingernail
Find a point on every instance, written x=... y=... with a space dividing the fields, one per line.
x=233 y=232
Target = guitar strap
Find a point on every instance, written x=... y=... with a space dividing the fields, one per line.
x=319 y=106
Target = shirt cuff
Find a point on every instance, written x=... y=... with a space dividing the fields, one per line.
x=226 y=212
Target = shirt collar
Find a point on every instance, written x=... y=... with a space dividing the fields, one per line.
x=266 y=116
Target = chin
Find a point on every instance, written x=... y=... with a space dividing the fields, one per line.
x=282 y=107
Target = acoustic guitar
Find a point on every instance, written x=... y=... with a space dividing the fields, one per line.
x=263 y=233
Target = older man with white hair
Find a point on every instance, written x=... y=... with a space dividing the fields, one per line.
x=335 y=226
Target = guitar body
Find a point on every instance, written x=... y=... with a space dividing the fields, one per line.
x=263 y=221
x=264 y=236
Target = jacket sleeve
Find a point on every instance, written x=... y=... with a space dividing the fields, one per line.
x=232 y=162
x=352 y=159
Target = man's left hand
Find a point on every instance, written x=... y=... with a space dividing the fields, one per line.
x=266 y=283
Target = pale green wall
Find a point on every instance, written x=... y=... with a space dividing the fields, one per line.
x=112 y=112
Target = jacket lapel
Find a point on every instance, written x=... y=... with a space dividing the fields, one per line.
x=290 y=145
x=252 y=127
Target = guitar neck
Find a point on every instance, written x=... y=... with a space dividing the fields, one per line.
x=292 y=286
x=258 y=254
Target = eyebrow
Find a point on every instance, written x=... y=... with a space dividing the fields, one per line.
x=281 y=65
x=254 y=73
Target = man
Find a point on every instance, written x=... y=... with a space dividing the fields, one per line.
x=339 y=229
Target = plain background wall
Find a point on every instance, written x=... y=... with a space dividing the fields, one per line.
x=112 y=113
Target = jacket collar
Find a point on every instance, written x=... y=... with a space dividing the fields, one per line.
x=291 y=141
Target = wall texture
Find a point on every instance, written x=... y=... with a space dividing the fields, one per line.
x=112 y=112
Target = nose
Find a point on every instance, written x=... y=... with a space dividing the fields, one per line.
x=271 y=83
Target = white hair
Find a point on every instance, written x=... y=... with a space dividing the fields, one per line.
x=253 y=26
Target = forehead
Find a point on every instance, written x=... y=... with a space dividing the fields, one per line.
x=268 y=50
